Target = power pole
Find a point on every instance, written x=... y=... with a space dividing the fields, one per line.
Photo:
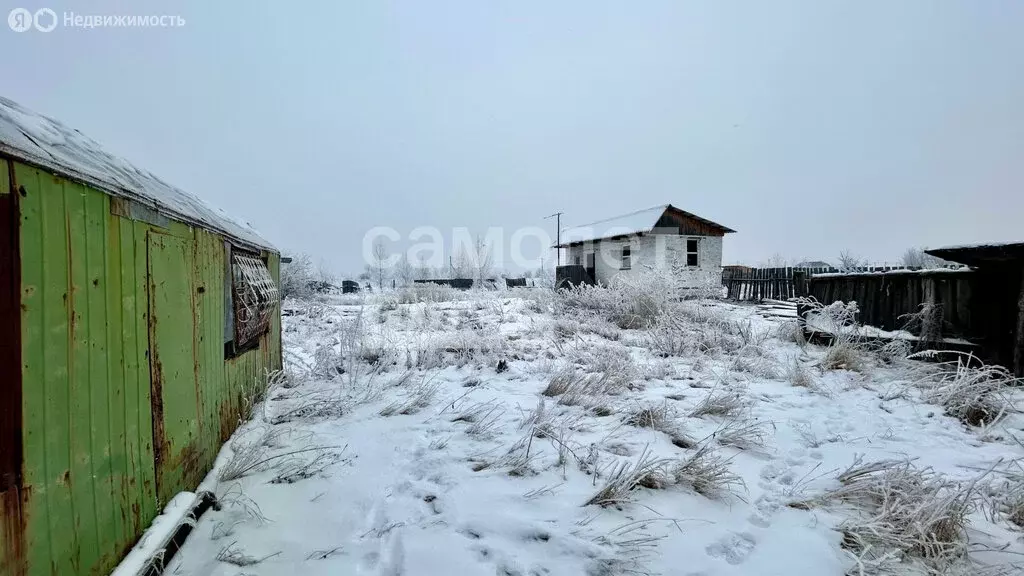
x=558 y=235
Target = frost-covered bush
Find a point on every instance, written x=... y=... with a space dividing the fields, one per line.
x=630 y=302
x=613 y=363
x=906 y=513
x=975 y=395
x=296 y=276
x=427 y=292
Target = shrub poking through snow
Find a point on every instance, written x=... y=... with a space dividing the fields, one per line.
x=708 y=474
x=749 y=335
x=562 y=382
x=801 y=377
x=614 y=364
x=741 y=433
x=974 y=395
x=843 y=355
x=1008 y=498
x=416 y=399
x=623 y=477
x=307 y=465
x=791 y=331
x=659 y=418
x=905 y=510
x=482 y=417
x=517 y=460
x=720 y=403
x=232 y=555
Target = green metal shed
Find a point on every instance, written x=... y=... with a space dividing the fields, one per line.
x=136 y=321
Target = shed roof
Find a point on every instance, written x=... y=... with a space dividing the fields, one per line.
x=980 y=254
x=639 y=222
x=44 y=142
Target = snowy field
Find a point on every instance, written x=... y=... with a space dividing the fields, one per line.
x=520 y=433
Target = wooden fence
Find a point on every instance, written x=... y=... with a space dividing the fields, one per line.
x=572 y=275
x=984 y=306
x=457 y=283
x=886 y=300
x=756 y=284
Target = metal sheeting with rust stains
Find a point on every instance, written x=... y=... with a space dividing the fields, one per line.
x=87 y=412
x=12 y=520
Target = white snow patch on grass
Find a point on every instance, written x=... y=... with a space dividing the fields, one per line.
x=703 y=439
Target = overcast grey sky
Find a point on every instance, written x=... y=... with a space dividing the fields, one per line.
x=808 y=126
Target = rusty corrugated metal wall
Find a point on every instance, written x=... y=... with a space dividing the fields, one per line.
x=92 y=282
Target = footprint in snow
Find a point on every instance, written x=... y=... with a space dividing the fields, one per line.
x=392 y=554
x=733 y=548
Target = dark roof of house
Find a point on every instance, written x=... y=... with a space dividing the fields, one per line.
x=981 y=254
x=639 y=222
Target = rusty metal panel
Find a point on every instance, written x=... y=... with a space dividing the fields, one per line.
x=174 y=384
x=89 y=478
x=13 y=560
x=87 y=491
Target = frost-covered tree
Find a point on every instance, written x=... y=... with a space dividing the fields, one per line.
x=483 y=261
x=296 y=276
x=849 y=261
x=404 y=272
x=380 y=258
x=917 y=258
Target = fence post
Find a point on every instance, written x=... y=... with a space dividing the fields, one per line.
x=799 y=286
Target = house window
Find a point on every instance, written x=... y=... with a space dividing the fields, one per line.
x=576 y=259
x=254 y=296
x=692 y=254
x=626 y=258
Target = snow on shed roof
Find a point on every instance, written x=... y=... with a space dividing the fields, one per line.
x=978 y=254
x=44 y=142
x=639 y=222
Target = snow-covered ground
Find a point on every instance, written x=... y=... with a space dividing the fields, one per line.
x=397 y=444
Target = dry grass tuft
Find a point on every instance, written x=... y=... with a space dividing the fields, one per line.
x=802 y=377
x=661 y=418
x=708 y=474
x=791 y=331
x=624 y=477
x=561 y=382
x=720 y=403
x=741 y=433
x=905 y=510
x=655 y=417
x=417 y=398
x=843 y=355
x=974 y=395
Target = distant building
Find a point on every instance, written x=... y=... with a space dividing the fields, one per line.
x=659 y=238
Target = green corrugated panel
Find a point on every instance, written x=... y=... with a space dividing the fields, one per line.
x=87 y=293
x=88 y=499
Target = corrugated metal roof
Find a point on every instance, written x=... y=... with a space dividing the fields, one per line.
x=639 y=222
x=41 y=141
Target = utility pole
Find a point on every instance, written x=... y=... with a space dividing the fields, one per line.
x=558 y=235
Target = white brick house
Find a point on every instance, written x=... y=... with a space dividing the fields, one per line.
x=659 y=238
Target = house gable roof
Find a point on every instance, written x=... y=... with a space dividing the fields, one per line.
x=639 y=222
x=41 y=141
